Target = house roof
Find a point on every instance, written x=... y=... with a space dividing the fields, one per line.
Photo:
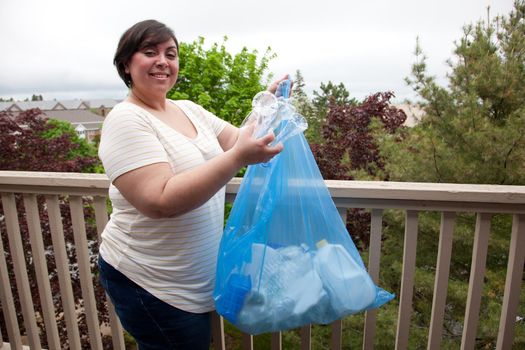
x=19 y=106
x=5 y=105
x=74 y=104
x=102 y=102
x=77 y=116
x=25 y=105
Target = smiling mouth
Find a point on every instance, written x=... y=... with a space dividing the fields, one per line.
x=160 y=75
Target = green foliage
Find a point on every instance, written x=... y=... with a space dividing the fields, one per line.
x=330 y=96
x=348 y=146
x=473 y=130
x=83 y=149
x=472 y=133
x=221 y=82
x=305 y=107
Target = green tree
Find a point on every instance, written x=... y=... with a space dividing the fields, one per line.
x=472 y=133
x=221 y=82
x=304 y=107
x=473 y=130
x=330 y=94
x=32 y=143
x=82 y=148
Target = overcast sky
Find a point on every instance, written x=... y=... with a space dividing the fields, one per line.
x=64 y=49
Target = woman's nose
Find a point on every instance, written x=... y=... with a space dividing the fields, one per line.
x=162 y=61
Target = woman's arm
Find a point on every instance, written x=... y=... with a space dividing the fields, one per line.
x=157 y=192
x=228 y=137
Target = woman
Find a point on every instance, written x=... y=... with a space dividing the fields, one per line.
x=168 y=162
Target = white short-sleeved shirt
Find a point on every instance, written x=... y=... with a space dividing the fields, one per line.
x=172 y=258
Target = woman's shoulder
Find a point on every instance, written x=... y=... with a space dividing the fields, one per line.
x=191 y=107
x=125 y=109
x=185 y=103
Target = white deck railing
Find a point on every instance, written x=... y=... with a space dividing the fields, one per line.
x=449 y=199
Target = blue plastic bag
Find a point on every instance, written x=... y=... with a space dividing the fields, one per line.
x=286 y=258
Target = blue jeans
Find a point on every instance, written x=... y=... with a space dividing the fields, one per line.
x=153 y=323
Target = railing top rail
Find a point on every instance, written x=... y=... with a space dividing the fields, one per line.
x=369 y=190
x=418 y=191
x=52 y=179
x=426 y=191
x=53 y=183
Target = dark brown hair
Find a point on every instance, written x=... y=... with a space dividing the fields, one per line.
x=139 y=36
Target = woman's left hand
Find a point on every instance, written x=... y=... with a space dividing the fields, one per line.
x=273 y=86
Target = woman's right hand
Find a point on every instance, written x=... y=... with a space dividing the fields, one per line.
x=250 y=150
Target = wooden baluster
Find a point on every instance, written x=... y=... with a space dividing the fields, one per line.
x=475 y=286
x=277 y=342
x=62 y=265
x=42 y=274
x=407 y=279
x=101 y=217
x=513 y=281
x=441 y=280
x=19 y=265
x=8 y=307
x=247 y=341
x=374 y=256
x=84 y=269
x=337 y=326
x=306 y=337
x=217 y=331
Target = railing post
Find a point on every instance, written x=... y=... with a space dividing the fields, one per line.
x=513 y=281
x=407 y=279
x=374 y=256
x=86 y=277
x=20 y=267
x=42 y=274
x=101 y=218
x=337 y=326
x=306 y=337
x=62 y=264
x=217 y=331
x=8 y=307
x=475 y=286
x=441 y=280
x=277 y=343
x=247 y=341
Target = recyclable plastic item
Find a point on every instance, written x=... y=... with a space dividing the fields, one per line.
x=286 y=258
x=350 y=287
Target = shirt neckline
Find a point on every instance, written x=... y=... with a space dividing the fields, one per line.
x=184 y=110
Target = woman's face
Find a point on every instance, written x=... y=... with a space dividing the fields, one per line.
x=155 y=68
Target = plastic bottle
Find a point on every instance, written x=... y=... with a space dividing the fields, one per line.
x=349 y=286
x=237 y=287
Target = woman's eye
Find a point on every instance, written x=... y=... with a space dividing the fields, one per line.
x=150 y=53
x=171 y=56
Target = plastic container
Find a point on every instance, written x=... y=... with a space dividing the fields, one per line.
x=349 y=286
x=231 y=304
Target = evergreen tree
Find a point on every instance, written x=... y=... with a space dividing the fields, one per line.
x=473 y=129
x=305 y=107
x=472 y=133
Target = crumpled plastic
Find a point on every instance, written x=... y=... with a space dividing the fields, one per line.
x=286 y=258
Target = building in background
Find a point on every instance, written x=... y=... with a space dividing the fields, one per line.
x=86 y=116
